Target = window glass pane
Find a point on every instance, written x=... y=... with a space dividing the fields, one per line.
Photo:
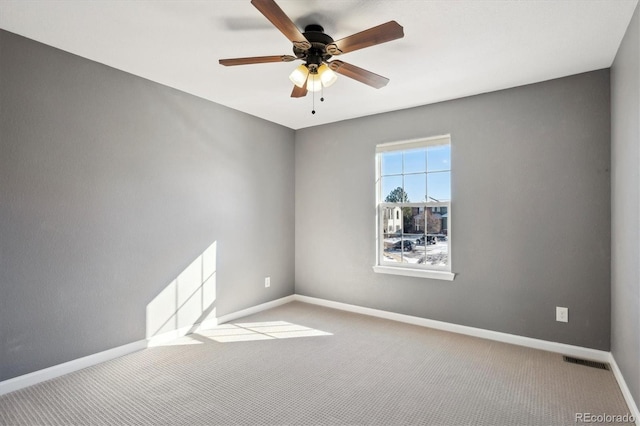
x=419 y=223
x=399 y=250
x=392 y=220
x=413 y=235
x=439 y=186
x=439 y=158
x=409 y=254
x=391 y=163
x=408 y=221
x=416 y=187
x=402 y=228
x=415 y=161
x=391 y=251
x=437 y=238
x=392 y=234
x=392 y=189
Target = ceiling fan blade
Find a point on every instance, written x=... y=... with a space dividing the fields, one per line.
x=376 y=35
x=281 y=21
x=357 y=73
x=257 y=60
x=299 y=92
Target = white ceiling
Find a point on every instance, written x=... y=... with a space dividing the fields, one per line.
x=451 y=49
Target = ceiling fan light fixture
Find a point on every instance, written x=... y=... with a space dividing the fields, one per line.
x=314 y=83
x=327 y=76
x=299 y=75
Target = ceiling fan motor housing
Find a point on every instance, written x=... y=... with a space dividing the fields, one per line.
x=317 y=53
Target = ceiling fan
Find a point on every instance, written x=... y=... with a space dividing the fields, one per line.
x=315 y=48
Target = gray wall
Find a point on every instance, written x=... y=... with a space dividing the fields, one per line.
x=531 y=212
x=110 y=187
x=625 y=207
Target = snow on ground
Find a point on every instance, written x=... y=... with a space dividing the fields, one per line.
x=431 y=254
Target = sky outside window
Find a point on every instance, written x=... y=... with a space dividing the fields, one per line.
x=422 y=173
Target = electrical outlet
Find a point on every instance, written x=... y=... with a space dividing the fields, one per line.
x=267 y=282
x=562 y=314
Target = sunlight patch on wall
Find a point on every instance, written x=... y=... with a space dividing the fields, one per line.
x=185 y=302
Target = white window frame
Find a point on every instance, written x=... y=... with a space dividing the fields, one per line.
x=405 y=269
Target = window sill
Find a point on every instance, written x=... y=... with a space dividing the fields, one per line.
x=419 y=273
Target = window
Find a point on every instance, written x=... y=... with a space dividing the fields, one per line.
x=413 y=182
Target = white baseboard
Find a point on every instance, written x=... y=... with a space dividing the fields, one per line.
x=571 y=350
x=633 y=407
x=69 y=367
x=255 y=309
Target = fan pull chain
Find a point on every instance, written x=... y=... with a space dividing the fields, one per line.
x=313 y=94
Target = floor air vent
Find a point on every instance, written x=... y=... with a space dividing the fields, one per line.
x=594 y=364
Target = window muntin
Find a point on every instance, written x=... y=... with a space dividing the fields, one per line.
x=414 y=194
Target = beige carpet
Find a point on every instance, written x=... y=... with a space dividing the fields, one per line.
x=303 y=364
